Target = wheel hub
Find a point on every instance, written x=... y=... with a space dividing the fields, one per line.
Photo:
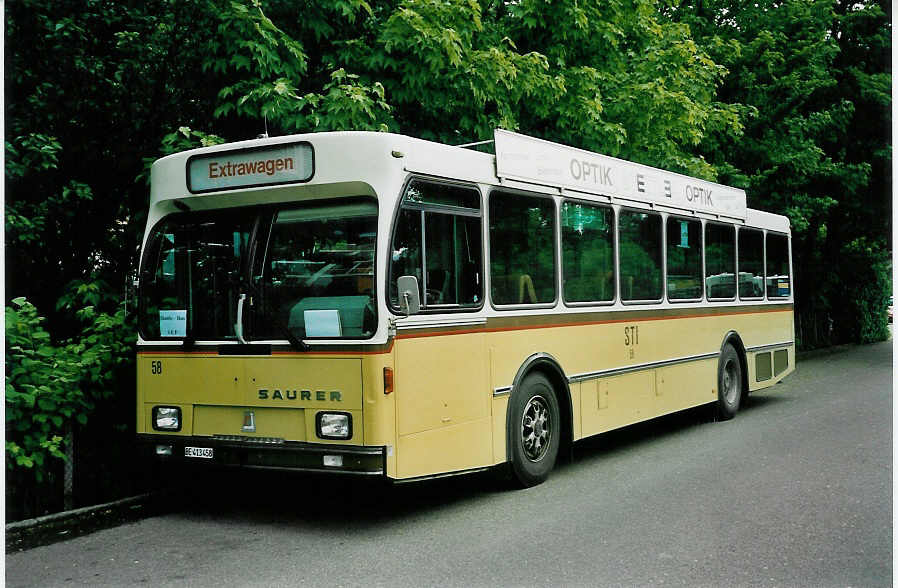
x=535 y=428
x=730 y=384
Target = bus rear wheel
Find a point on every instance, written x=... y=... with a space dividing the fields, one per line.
x=535 y=431
x=729 y=383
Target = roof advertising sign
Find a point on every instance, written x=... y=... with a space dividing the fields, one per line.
x=536 y=161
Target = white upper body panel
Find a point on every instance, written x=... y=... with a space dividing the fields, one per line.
x=362 y=163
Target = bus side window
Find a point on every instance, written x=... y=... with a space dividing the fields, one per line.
x=684 y=259
x=522 y=249
x=640 y=256
x=778 y=282
x=452 y=247
x=405 y=256
x=587 y=252
x=751 y=263
x=437 y=239
x=720 y=261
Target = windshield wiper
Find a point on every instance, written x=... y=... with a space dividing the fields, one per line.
x=295 y=341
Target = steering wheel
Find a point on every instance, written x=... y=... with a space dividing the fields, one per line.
x=434 y=296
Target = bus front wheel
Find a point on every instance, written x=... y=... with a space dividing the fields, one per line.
x=535 y=432
x=729 y=383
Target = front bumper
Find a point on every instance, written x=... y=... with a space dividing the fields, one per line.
x=252 y=452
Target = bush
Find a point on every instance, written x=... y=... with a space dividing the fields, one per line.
x=43 y=391
x=865 y=284
x=53 y=388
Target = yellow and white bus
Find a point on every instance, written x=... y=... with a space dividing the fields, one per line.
x=375 y=304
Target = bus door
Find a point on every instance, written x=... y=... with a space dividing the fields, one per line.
x=441 y=376
x=442 y=402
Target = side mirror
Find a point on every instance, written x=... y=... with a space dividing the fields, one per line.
x=409 y=298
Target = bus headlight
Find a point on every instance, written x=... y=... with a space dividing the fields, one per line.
x=166 y=418
x=334 y=425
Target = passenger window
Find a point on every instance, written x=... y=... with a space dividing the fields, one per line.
x=437 y=239
x=778 y=283
x=751 y=264
x=522 y=249
x=720 y=261
x=640 y=255
x=684 y=259
x=587 y=252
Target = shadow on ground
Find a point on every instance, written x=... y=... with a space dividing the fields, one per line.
x=324 y=501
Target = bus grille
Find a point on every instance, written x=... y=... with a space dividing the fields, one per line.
x=243 y=439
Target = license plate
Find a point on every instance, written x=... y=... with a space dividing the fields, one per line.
x=204 y=452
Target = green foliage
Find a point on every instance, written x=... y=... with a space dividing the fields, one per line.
x=183 y=139
x=347 y=104
x=92 y=86
x=252 y=41
x=42 y=390
x=865 y=287
x=186 y=138
x=815 y=147
x=635 y=84
x=272 y=70
x=33 y=151
x=412 y=66
x=779 y=56
x=27 y=223
x=50 y=385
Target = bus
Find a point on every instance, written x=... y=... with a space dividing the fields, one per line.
x=374 y=304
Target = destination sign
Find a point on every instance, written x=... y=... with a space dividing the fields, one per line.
x=536 y=161
x=248 y=168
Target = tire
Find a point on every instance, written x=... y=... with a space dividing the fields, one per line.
x=729 y=383
x=534 y=430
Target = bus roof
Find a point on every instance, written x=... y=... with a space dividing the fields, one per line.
x=359 y=156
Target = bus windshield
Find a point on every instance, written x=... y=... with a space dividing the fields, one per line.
x=317 y=277
x=311 y=274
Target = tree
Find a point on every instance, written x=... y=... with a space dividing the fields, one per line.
x=618 y=78
x=815 y=76
x=92 y=87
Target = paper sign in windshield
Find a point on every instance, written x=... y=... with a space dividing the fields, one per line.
x=322 y=323
x=173 y=323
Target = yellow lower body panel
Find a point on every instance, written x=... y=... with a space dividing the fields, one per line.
x=447 y=449
x=448 y=407
x=272 y=422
